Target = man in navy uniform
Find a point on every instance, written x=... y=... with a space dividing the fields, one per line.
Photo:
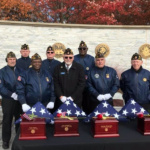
x=87 y=61
x=50 y=63
x=135 y=82
x=69 y=80
x=102 y=82
x=25 y=61
x=35 y=85
x=10 y=105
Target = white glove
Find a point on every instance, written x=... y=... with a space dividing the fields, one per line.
x=50 y=105
x=25 y=107
x=14 y=96
x=52 y=122
x=107 y=96
x=100 y=97
x=70 y=98
x=63 y=99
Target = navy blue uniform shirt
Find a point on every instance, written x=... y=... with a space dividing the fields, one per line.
x=103 y=81
x=136 y=85
x=50 y=65
x=87 y=62
x=35 y=87
x=8 y=81
x=23 y=63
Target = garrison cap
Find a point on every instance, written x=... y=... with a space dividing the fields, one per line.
x=25 y=47
x=10 y=55
x=136 y=56
x=99 y=55
x=82 y=44
x=49 y=48
x=36 y=56
x=68 y=51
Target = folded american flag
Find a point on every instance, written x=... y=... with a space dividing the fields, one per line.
x=71 y=109
x=131 y=109
x=105 y=108
x=38 y=111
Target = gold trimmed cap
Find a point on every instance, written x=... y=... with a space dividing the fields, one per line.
x=82 y=44
x=49 y=48
x=25 y=47
x=10 y=55
x=68 y=51
x=99 y=55
x=136 y=56
x=36 y=56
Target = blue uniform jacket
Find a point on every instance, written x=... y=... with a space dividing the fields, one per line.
x=136 y=85
x=102 y=81
x=33 y=87
x=50 y=65
x=87 y=62
x=8 y=81
x=23 y=63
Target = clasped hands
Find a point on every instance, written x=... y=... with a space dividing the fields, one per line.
x=101 y=97
x=64 y=98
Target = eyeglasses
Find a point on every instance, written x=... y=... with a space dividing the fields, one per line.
x=68 y=57
x=82 y=49
x=50 y=52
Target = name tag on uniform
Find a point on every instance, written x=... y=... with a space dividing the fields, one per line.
x=62 y=73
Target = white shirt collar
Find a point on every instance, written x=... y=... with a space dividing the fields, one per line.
x=68 y=66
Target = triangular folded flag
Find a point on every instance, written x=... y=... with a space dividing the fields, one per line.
x=105 y=108
x=38 y=111
x=131 y=109
x=71 y=109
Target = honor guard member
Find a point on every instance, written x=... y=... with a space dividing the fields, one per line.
x=35 y=85
x=50 y=63
x=69 y=80
x=102 y=82
x=135 y=82
x=25 y=61
x=10 y=105
x=87 y=61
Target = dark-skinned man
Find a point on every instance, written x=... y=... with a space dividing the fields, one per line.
x=25 y=61
x=135 y=82
x=50 y=63
x=10 y=105
x=87 y=61
x=35 y=85
x=69 y=80
x=102 y=82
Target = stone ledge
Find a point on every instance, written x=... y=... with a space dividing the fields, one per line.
x=61 y=25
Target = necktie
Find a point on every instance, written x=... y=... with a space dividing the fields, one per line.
x=67 y=67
